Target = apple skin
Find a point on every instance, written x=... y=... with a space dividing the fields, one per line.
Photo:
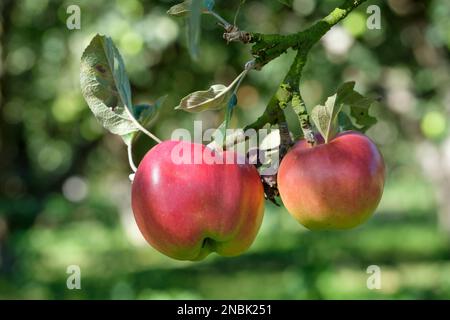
x=336 y=185
x=187 y=211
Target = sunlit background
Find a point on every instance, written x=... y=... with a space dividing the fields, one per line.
x=65 y=192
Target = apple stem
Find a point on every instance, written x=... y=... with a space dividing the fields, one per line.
x=130 y=156
x=224 y=23
x=285 y=138
x=140 y=127
x=249 y=65
x=300 y=108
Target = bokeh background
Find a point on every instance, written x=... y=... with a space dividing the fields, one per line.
x=64 y=188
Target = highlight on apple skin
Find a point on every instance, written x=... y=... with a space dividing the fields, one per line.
x=188 y=210
x=336 y=185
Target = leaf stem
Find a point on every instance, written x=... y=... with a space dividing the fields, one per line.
x=233 y=100
x=241 y=3
x=248 y=66
x=130 y=156
x=226 y=25
x=151 y=135
x=237 y=82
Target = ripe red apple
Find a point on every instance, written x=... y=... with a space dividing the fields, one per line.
x=188 y=210
x=336 y=185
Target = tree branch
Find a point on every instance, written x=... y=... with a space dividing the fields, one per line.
x=270 y=46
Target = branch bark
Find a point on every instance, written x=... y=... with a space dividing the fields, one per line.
x=268 y=47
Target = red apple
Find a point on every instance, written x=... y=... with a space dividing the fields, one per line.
x=188 y=210
x=336 y=185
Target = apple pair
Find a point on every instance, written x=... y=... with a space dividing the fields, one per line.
x=187 y=211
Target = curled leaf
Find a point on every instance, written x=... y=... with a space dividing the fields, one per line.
x=105 y=86
x=215 y=98
x=183 y=9
x=212 y=99
x=324 y=117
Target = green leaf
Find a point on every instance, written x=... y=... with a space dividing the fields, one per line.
x=183 y=9
x=106 y=88
x=286 y=2
x=194 y=28
x=326 y=117
x=229 y=111
x=358 y=107
x=143 y=110
x=214 y=98
x=220 y=135
x=345 y=123
x=145 y=113
x=360 y=116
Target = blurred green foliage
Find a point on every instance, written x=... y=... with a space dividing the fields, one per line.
x=64 y=188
